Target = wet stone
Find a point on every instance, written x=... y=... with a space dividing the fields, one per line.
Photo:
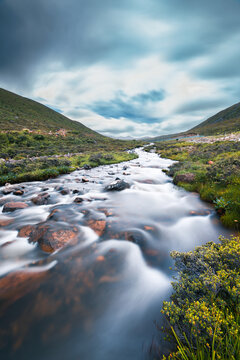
x=65 y=191
x=97 y=225
x=78 y=200
x=75 y=191
x=185 y=178
x=13 y=206
x=203 y=212
x=85 y=180
x=41 y=199
x=51 y=237
x=117 y=185
x=26 y=231
x=18 y=192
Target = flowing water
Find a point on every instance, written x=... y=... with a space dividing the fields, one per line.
x=98 y=297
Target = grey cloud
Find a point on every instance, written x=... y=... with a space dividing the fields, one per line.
x=113 y=130
x=74 y=32
x=151 y=96
x=78 y=32
x=132 y=108
x=201 y=105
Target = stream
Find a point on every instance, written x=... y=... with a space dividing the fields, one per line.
x=99 y=296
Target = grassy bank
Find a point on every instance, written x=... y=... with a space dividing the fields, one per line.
x=26 y=156
x=23 y=144
x=43 y=169
x=204 y=311
x=212 y=170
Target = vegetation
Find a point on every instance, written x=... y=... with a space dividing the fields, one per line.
x=204 y=309
x=215 y=170
x=47 y=167
x=37 y=143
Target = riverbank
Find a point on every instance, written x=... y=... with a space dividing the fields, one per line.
x=210 y=169
x=31 y=156
x=46 y=167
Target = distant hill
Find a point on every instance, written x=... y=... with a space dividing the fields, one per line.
x=226 y=121
x=17 y=113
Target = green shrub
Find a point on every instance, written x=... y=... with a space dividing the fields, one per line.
x=205 y=305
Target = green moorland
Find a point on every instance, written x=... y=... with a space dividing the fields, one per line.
x=212 y=170
x=37 y=143
x=28 y=156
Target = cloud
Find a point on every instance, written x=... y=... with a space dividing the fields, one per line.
x=133 y=108
x=133 y=66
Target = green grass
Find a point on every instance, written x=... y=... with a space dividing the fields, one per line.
x=39 y=170
x=217 y=182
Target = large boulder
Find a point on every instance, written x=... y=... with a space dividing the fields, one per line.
x=117 y=185
x=13 y=206
x=185 y=178
x=51 y=237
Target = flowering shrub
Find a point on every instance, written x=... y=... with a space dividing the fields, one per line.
x=205 y=304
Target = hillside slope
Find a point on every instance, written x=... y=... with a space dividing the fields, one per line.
x=227 y=120
x=17 y=113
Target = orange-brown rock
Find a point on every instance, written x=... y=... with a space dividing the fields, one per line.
x=13 y=206
x=203 y=212
x=51 y=237
x=148 y=228
x=97 y=225
x=15 y=285
x=5 y=222
x=18 y=192
x=100 y=258
x=26 y=231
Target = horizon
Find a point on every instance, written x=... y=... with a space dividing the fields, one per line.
x=138 y=69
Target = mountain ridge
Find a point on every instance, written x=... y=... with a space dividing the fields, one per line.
x=225 y=121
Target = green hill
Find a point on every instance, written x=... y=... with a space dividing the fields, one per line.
x=18 y=113
x=31 y=131
x=225 y=121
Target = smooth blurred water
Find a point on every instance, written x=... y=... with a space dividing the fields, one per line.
x=98 y=299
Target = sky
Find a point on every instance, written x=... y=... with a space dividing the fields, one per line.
x=124 y=68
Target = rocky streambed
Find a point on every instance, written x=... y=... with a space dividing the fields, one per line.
x=84 y=260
